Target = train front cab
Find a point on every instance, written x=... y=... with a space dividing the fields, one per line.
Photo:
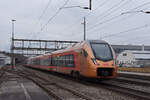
x=98 y=60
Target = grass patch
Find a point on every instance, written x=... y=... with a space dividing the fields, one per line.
x=133 y=69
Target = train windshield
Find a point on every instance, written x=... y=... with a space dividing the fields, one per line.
x=102 y=51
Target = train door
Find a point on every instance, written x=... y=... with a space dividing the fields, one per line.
x=82 y=61
x=57 y=68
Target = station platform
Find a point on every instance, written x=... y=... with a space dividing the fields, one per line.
x=134 y=73
x=13 y=87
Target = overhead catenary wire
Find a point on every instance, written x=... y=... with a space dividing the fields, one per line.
x=118 y=5
x=129 y=30
x=114 y=17
x=43 y=12
x=114 y=6
x=77 y=21
x=105 y=20
x=99 y=6
x=134 y=38
x=110 y=10
x=51 y=18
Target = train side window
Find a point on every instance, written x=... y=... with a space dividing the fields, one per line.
x=55 y=61
x=42 y=62
x=34 y=61
x=68 y=60
x=61 y=61
x=47 y=61
x=71 y=61
x=50 y=61
x=52 y=64
x=64 y=61
x=38 y=62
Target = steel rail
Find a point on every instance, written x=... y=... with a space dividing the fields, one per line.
x=43 y=83
x=2 y=72
x=141 y=77
x=133 y=81
x=117 y=88
x=133 y=92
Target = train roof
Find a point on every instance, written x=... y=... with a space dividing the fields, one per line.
x=73 y=47
x=96 y=41
x=78 y=46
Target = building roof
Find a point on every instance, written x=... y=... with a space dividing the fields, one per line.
x=119 y=48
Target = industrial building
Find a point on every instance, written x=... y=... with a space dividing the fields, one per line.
x=130 y=58
x=120 y=48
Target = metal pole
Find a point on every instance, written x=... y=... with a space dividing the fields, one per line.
x=12 y=45
x=90 y=5
x=84 y=28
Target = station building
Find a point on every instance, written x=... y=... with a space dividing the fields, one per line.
x=130 y=58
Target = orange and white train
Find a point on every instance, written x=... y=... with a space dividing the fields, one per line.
x=91 y=59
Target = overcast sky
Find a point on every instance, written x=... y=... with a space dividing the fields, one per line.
x=105 y=20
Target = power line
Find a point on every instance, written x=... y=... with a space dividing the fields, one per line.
x=97 y=8
x=115 y=17
x=50 y=19
x=117 y=6
x=137 y=38
x=108 y=19
x=94 y=26
x=107 y=10
x=132 y=29
x=142 y=5
x=110 y=9
x=72 y=25
x=43 y=12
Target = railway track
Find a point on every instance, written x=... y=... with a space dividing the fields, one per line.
x=55 y=90
x=133 y=76
x=2 y=72
x=135 y=85
x=139 y=91
x=133 y=81
x=128 y=86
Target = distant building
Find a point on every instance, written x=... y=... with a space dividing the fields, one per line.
x=120 y=48
x=4 y=59
x=133 y=59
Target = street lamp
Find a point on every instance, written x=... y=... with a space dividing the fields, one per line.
x=12 y=45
